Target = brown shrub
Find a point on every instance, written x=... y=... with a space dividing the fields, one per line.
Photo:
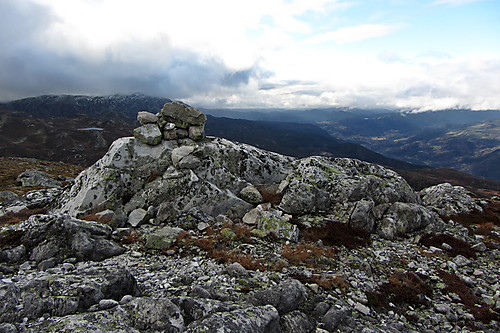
x=11 y=238
x=205 y=244
x=96 y=218
x=337 y=234
x=245 y=260
x=306 y=253
x=14 y=218
x=480 y=310
x=402 y=289
x=458 y=246
x=132 y=237
x=268 y=195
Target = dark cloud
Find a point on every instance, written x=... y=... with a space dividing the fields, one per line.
x=28 y=67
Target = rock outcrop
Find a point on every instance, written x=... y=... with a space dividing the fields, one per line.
x=178 y=232
x=177 y=174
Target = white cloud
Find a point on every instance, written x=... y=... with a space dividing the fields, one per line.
x=352 y=34
x=453 y=2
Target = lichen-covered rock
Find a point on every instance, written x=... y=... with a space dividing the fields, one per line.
x=145 y=117
x=316 y=183
x=449 y=200
x=162 y=238
x=182 y=115
x=148 y=314
x=258 y=319
x=63 y=294
x=149 y=134
x=287 y=296
x=402 y=218
x=33 y=177
x=209 y=177
x=251 y=194
x=62 y=237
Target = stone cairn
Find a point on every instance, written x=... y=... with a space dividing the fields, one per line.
x=175 y=121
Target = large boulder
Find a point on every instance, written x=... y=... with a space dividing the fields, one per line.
x=207 y=176
x=32 y=177
x=449 y=200
x=257 y=319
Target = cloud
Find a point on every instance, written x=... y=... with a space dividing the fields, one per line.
x=453 y=2
x=352 y=34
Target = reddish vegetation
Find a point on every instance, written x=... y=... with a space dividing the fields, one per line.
x=337 y=234
x=14 y=218
x=422 y=178
x=11 y=238
x=403 y=290
x=269 y=196
x=455 y=285
x=306 y=253
x=482 y=223
x=11 y=167
x=96 y=218
x=458 y=246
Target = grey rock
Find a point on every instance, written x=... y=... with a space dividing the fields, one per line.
x=259 y=319
x=163 y=238
x=334 y=317
x=362 y=218
x=285 y=297
x=449 y=200
x=297 y=321
x=8 y=196
x=180 y=153
x=14 y=255
x=107 y=304
x=137 y=216
x=236 y=269
x=155 y=314
x=196 y=133
x=251 y=194
x=402 y=218
x=33 y=177
x=149 y=134
x=182 y=115
x=197 y=309
x=145 y=117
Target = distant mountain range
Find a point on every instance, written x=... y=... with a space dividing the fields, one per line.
x=79 y=129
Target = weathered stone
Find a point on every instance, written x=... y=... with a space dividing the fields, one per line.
x=259 y=319
x=297 y=321
x=362 y=218
x=402 y=218
x=251 y=194
x=449 y=200
x=182 y=115
x=287 y=296
x=145 y=117
x=163 y=238
x=179 y=153
x=196 y=133
x=137 y=216
x=174 y=134
x=149 y=134
x=33 y=177
x=334 y=317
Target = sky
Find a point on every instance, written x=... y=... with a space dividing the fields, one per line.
x=410 y=54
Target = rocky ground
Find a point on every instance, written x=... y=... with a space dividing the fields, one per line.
x=207 y=235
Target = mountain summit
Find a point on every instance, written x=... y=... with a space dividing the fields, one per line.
x=175 y=231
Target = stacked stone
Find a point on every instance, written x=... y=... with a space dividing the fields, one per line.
x=175 y=121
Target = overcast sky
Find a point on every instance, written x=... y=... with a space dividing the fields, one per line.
x=417 y=54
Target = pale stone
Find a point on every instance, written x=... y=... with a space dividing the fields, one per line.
x=149 y=134
x=145 y=117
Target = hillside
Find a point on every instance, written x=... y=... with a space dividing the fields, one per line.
x=173 y=232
